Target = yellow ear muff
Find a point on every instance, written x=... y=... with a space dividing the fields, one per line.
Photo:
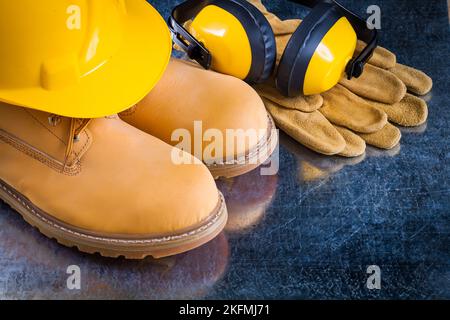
x=318 y=52
x=230 y=36
x=225 y=37
x=330 y=59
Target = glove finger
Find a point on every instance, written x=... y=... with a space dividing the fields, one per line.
x=411 y=111
x=343 y=108
x=386 y=138
x=285 y=27
x=377 y=84
x=415 y=80
x=312 y=129
x=382 y=57
x=355 y=147
x=301 y=103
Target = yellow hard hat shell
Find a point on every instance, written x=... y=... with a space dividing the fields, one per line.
x=80 y=58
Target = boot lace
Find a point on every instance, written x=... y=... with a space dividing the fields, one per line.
x=77 y=126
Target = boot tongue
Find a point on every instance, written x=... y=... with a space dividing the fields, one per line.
x=43 y=132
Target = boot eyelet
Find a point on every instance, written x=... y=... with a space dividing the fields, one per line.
x=54 y=120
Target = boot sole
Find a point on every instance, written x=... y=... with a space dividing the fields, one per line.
x=130 y=247
x=252 y=159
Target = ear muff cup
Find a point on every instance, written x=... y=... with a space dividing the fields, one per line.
x=302 y=46
x=260 y=35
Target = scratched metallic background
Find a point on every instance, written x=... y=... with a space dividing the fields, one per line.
x=309 y=232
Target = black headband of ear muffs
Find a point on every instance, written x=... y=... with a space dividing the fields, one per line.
x=194 y=49
x=370 y=36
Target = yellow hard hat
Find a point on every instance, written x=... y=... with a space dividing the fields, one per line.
x=80 y=58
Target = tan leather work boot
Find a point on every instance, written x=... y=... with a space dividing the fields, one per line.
x=227 y=123
x=104 y=186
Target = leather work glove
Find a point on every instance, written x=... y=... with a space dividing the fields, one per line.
x=353 y=113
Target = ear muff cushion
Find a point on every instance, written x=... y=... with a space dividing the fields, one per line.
x=302 y=46
x=260 y=35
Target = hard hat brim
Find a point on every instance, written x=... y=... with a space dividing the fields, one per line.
x=121 y=82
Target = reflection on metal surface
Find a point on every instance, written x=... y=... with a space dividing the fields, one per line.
x=247 y=198
x=34 y=267
x=312 y=166
x=418 y=130
x=378 y=153
x=427 y=98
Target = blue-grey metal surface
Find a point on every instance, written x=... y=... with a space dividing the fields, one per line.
x=309 y=232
